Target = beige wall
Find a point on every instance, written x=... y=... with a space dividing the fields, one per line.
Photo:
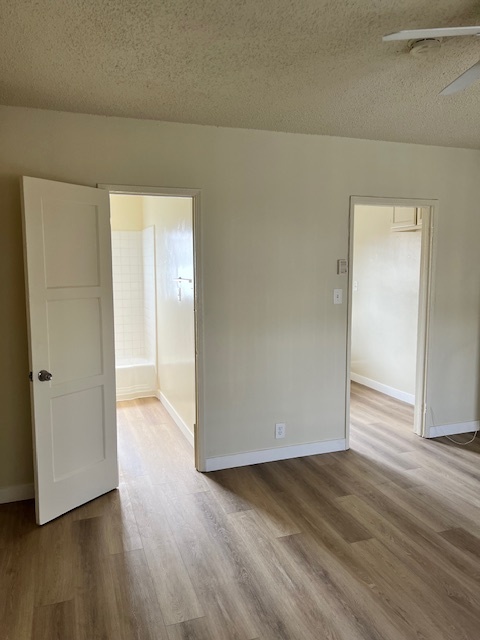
x=126 y=213
x=274 y=221
x=172 y=219
x=386 y=268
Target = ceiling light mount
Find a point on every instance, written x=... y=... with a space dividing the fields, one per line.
x=423 y=46
x=422 y=40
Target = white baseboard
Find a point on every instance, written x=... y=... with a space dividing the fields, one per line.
x=16 y=493
x=271 y=455
x=181 y=424
x=453 y=429
x=132 y=393
x=383 y=388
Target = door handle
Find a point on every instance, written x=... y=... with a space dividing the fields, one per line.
x=44 y=376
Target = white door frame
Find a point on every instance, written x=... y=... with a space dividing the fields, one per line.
x=194 y=194
x=427 y=271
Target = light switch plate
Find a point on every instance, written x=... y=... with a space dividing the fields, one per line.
x=337 y=296
x=342 y=267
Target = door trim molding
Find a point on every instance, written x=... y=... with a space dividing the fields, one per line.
x=425 y=302
x=195 y=195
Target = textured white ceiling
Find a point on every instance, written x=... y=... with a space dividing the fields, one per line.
x=310 y=66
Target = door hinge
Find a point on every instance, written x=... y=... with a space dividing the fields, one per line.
x=30 y=376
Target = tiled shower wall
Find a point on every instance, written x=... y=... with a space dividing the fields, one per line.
x=133 y=261
x=149 y=287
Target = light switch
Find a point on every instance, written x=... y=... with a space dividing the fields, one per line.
x=337 y=296
x=342 y=267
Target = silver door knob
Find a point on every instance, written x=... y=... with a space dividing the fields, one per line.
x=44 y=376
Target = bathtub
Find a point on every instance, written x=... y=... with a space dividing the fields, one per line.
x=136 y=378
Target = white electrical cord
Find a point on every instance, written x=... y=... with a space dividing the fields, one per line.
x=462 y=444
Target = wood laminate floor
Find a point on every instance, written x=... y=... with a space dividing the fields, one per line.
x=377 y=543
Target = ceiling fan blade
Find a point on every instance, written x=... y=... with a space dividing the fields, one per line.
x=420 y=34
x=463 y=81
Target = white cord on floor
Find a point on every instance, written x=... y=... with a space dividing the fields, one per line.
x=463 y=443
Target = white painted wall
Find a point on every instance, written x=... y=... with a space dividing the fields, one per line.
x=172 y=221
x=126 y=212
x=275 y=211
x=386 y=268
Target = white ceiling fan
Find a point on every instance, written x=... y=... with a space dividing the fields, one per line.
x=419 y=35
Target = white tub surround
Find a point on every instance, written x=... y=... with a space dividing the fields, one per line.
x=136 y=378
x=134 y=303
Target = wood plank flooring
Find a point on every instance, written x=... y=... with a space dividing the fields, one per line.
x=381 y=542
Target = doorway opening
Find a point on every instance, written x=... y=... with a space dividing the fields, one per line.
x=155 y=291
x=389 y=290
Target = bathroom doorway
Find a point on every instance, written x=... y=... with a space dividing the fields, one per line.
x=155 y=292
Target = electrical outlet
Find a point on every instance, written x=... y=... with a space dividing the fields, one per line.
x=280 y=429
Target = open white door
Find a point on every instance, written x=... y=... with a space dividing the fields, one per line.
x=68 y=271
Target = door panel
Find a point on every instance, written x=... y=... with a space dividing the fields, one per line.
x=70 y=313
x=78 y=432
x=81 y=357
x=71 y=244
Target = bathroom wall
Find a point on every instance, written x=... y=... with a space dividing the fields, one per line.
x=149 y=296
x=133 y=254
x=128 y=295
x=172 y=218
x=126 y=212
